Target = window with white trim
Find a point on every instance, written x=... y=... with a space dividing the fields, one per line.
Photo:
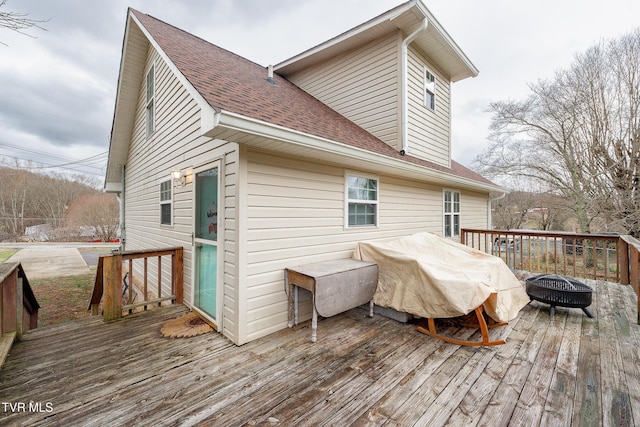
x=451 y=213
x=151 y=96
x=429 y=89
x=166 y=202
x=362 y=201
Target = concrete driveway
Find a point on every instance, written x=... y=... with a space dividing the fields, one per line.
x=42 y=262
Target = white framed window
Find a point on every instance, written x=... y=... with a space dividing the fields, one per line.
x=151 y=96
x=451 y=213
x=429 y=89
x=361 y=200
x=166 y=202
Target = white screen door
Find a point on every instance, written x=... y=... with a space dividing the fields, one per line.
x=205 y=287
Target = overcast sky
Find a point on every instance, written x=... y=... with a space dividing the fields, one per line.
x=57 y=88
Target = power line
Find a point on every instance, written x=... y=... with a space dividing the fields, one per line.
x=32 y=151
x=93 y=159
x=61 y=158
x=92 y=162
x=99 y=171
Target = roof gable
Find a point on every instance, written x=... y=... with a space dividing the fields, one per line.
x=434 y=42
x=231 y=83
x=228 y=82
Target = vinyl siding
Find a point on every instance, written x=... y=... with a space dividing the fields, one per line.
x=295 y=216
x=176 y=144
x=429 y=131
x=362 y=85
x=278 y=212
x=473 y=210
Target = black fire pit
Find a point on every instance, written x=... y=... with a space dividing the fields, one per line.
x=555 y=290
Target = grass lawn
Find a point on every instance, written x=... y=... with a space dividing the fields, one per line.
x=5 y=254
x=60 y=298
x=63 y=298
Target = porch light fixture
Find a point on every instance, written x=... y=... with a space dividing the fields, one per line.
x=179 y=179
x=182 y=177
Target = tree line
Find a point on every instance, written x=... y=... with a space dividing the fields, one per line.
x=577 y=136
x=65 y=203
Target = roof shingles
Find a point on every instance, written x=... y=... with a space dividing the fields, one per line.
x=232 y=83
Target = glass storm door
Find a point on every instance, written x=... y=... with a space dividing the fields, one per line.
x=205 y=287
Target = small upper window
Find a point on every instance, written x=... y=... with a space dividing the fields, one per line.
x=151 y=92
x=429 y=90
x=362 y=201
x=166 y=202
x=451 y=213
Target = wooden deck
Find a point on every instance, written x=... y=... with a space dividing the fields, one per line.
x=565 y=370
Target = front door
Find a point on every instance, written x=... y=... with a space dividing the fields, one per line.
x=205 y=242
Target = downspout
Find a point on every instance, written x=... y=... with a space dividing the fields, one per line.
x=121 y=202
x=489 y=219
x=403 y=90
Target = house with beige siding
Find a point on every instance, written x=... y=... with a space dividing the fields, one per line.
x=255 y=169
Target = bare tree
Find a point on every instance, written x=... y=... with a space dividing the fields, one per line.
x=13 y=205
x=578 y=133
x=100 y=212
x=617 y=150
x=510 y=212
x=553 y=212
x=28 y=198
x=57 y=192
x=18 y=21
x=541 y=210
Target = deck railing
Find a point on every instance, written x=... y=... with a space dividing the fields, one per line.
x=609 y=257
x=18 y=306
x=630 y=273
x=109 y=281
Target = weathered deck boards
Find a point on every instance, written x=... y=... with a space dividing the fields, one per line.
x=565 y=370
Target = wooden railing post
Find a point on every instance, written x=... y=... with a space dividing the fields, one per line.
x=623 y=261
x=112 y=282
x=633 y=274
x=9 y=300
x=109 y=282
x=96 y=295
x=177 y=275
x=633 y=267
x=19 y=307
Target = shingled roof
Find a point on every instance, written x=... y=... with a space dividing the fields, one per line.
x=228 y=82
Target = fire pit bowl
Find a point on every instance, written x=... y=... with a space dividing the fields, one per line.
x=562 y=291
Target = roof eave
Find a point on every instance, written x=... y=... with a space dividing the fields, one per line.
x=115 y=161
x=267 y=136
x=124 y=112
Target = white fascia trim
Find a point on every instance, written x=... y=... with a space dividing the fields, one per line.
x=113 y=187
x=202 y=103
x=237 y=122
x=387 y=16
x=448 y=39
x=116 y=108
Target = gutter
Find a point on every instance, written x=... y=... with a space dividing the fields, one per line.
x=237 y=123
x=404 y=89
x=121 y=201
